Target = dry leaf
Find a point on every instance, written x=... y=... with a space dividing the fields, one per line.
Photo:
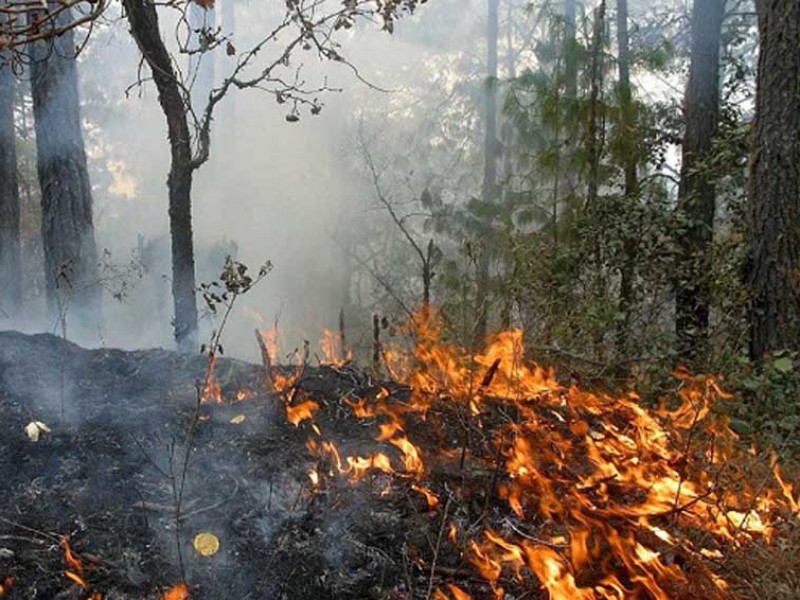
x=35 y=429
x=238 y=419
x=206 y=544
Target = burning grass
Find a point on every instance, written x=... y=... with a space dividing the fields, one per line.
x=461 y=476
x=545 y=487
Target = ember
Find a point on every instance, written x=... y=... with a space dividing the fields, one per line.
x=179 y=591
x=5 y=585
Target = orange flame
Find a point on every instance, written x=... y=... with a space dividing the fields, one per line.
x=75 y=575
x=179 y=591
x=301 y=412
x=331 y=347
x=608 y=485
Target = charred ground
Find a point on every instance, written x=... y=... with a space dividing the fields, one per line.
x=101 y=478
x=559 y=471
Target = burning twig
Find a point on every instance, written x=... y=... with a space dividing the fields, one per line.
x=266 y=363
x=376 y=345
x=487 y=379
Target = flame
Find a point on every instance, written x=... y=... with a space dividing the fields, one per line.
x=5 y=585
x=74 y=561
x=430 y=497
x=212 y=390
x=455 y=591
x=301 y=412
x=179 y=591
x=331 y=347
x=610 y=488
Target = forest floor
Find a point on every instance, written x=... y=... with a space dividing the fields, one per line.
x=103 y=481
x=102 y=477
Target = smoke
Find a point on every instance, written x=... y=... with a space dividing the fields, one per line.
x=273 y=190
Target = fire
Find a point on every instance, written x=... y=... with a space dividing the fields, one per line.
x=600 y=492
x=179 y=591
x=5 y=585
x=332 y=351
x=301 y=412
x=212 y=390
x=74 y=561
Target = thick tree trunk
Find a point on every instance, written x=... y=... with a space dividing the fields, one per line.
x=490 y=149
x=774 y=276
x=143 y=21
x=10 y=273
x=696 y=194
x=70 y=253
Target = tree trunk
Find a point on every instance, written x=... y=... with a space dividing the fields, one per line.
x=143 y=21
x=570 y=47
x=593 y=149
x=70 y=253
x=490 y=149
x=696 y=194
x=774 y=275
x=10 y=272
x=628 y=126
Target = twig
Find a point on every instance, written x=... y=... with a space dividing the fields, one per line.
x=266 y=363
x=438 y=547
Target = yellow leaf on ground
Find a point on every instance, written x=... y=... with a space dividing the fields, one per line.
x=206 y=544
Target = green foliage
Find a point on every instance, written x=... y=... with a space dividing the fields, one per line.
x=767 y=406
x=593 y=285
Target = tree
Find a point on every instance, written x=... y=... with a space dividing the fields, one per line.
x=10 y=275
x=696 y=193
x=627 y=126
x=70 y=253
x=305 y=26
x=569 y=50
x=22 y=23
x=774 y=274
x=491 y=154
x=143 y=21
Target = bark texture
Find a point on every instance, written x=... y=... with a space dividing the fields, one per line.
x=143 y=21
x=10 y=273
x=774 y=276
x=70 y=253
x=696 y=193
